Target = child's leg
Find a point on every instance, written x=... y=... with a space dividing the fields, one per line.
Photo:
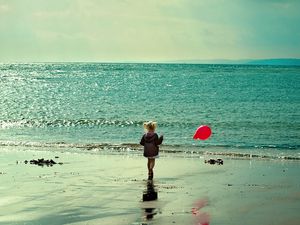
x=151 y=163
x=149 y=169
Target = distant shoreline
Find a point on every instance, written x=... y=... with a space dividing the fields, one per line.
x=263 y=62
x=270 y=62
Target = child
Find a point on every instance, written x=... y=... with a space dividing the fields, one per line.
x=151 y=142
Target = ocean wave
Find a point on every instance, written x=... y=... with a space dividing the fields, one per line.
x=188 y=151
x=42 y=123
x=4 y=124
x=83 y=122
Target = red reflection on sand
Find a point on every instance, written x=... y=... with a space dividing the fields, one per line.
x=201 y=218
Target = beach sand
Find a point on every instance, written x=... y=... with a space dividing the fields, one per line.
x=91 y=187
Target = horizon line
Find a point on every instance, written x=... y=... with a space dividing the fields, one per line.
x=179 y=61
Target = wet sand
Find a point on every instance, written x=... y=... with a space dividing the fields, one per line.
x=103 y=188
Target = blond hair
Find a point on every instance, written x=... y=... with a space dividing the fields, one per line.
x=150 y=126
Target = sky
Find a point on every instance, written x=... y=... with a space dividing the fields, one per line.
x=148 y=30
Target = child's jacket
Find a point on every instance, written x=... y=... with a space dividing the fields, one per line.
x=150 y=141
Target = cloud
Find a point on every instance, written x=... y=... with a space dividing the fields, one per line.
x=4 y=8
x=148 y=30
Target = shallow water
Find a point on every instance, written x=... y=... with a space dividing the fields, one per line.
x=108 y=189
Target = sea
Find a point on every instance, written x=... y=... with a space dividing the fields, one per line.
x=252 y=110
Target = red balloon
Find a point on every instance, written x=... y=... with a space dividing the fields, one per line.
x=203 y=132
